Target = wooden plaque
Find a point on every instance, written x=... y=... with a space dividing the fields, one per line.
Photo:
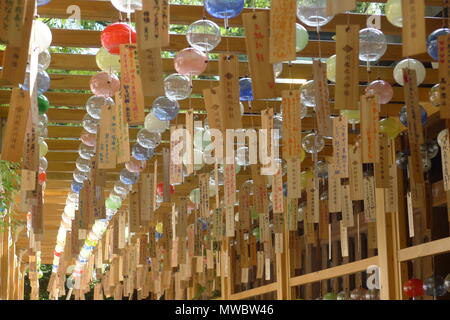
x=347 y=66
x=282 y=30
x=256 y=27
x=413 y=31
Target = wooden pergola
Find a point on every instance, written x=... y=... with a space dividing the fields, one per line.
x=68 y=95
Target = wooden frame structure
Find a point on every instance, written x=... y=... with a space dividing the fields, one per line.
x=393 y=252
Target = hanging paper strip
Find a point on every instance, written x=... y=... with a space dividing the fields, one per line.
x=382 y=167
x=259 y=191
x=291 y=124
x=355 y=172
x=189 y=142
x=347 y=66
x=13 y=140
x=37 y=213
x=334 y=7
x=203 y=183
x=347 y=206
x=444 y=76
x=340 y=146
x=277 y=192
x=151 y=72
x=229 y=91
x=176 y=146
x=344 y=239
x=121 y=235
x=74 y=242
x=153 y=192
x=12 y=16
x=218 y=225
x=334 y=189
x=292 y=214
x=371 y=235
x=312 y=201
x=256 y=27
x=30 y=160
x=369 y=198
x=145 y=196
x=165 y=24
x=282 y=30
x=266 y=236
x=134 y=222
x=414 y=30
x=370 y=109
x=15 y=57
x=149 y=25
x=107 y=135
x=166 y=175
x=294 y=188
x=309 y=232
x=324 y=220
x=391 y=192
x=229 y=197
x=445 y=156
x=324 y=124
x=410 y=214
x=131 y=86
x=212 y=106
x=88 y=203
x=415 y=130
x=266 y=154
x=244 y=207
x=123 y=138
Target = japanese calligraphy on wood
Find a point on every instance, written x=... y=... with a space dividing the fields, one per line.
x=347 y=62
x=256 y=27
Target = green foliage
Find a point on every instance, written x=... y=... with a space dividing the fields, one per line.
x=199 y=292
x=9 y=185
x=46 y=272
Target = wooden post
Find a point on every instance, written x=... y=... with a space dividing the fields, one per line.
x=4 y=264
x=226 y=282
x=400 y=227
x=283 y=269
x=385 y=247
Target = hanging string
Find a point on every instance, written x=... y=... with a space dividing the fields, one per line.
x=445 y=14
x=290 y=75
x=129 y=10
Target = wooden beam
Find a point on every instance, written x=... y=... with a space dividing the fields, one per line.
x=424 y=250
x=186 y=14
x=384 y=245
x=91 y=39
x=254 y=292
x=86 y=62
x=335 y=272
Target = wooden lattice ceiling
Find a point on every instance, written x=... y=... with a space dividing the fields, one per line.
x=68 y=110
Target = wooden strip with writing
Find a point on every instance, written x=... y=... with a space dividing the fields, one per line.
x=347 y=62
x=256 y=27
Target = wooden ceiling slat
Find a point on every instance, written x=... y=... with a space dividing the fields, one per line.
x=64 y=61
x=186 y=14
x=81 y=82
x=60 y=115
x=91 y=39
x=63 y=153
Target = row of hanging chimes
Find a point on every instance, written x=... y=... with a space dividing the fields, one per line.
x=444 y=95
